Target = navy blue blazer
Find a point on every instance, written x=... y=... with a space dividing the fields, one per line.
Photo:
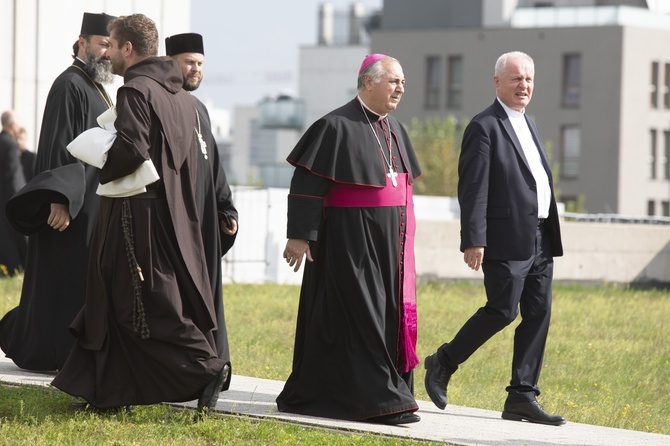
x=497 y=192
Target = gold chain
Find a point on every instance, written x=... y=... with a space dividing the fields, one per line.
x=104 y=96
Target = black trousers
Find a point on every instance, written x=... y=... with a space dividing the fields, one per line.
x=511 y=286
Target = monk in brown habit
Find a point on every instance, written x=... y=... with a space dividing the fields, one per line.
x=146 y=333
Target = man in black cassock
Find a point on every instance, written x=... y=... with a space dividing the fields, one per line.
x=146 y=332
x=58 y=208
x=26 y=156
x=217 y=212
x=12 y=243
x=350 y=213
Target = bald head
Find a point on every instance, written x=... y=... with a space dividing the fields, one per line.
x=7 y=119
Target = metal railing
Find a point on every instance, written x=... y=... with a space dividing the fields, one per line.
x=615 y=218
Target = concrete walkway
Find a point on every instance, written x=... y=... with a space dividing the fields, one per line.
x=456 y=425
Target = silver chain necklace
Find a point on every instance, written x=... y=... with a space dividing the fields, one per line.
x=392 y=174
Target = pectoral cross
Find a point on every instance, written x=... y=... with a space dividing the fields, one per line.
x=393 y=175
x=203 y=145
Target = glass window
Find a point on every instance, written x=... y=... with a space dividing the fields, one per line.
x=572 y=80
x=666 y=87
x=665 y=208
x=652 y=154
x=666 y=155
x=570 y=150
x=651 y=208
x=455 y=82
x=433 y=80
x=654 y=85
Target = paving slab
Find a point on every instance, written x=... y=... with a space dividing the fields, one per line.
x=456 y=425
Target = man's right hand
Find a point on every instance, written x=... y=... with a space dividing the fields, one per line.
x=474 y=256
x=59 y=218
x=294 y=252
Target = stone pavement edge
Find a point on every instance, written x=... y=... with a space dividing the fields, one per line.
x=457 y=425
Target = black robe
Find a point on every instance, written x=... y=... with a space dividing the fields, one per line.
x=149 y=338
x=215 y=202
x=28 y=160
x=12 y=243
x=346 y=362
x=35 y=334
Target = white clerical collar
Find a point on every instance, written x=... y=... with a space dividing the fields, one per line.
x=511 y=112
x=370 y=110
x=79 y=59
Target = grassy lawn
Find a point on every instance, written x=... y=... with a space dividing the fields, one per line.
x=607 y=363
x=607 y=360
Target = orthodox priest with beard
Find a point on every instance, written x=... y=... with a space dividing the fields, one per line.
x=351 y=215
x=58 y=208
x=146 y=332
x=218 y=216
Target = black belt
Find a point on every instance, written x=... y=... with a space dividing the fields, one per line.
x=540 y=221
x=150 y=193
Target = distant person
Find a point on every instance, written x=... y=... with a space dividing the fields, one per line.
x=12 y=243
x=351 y=215
x=26 y=156
x=509 y=227
x=58 y=208
x=217 y=212
x=146 y=333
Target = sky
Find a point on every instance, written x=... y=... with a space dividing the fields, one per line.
x=252 y=46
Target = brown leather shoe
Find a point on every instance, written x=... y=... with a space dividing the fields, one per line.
x=436 y=381
x=532 y=412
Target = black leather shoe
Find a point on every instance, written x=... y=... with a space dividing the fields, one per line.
x=436 y=381
x=210 y=394
x=84 y=406
x=396 y=418
x=532 y=412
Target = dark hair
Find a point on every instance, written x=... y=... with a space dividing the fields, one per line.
x=137 y=29
x=75 y=45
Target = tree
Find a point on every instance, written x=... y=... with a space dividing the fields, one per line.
x=436 y=142
x=571 y=205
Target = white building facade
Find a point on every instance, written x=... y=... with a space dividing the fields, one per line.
x=36 y=38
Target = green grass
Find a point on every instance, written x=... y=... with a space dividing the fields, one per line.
x=607 y=360
x=38 y=416
x=607 y=363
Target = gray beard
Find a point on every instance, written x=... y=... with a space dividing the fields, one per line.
x=100 y=72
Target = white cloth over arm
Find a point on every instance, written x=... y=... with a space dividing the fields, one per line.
x=92 y=146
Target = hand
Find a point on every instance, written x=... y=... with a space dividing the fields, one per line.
x=474 y=256
x=295 y=249
x=59 y=218
x=228 y=229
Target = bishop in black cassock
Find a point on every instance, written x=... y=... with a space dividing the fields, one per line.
x=350 y=213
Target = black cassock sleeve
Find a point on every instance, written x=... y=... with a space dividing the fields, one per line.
x=305 y=204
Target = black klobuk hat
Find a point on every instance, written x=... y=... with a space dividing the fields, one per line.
x=95 y=24
x=184 y=43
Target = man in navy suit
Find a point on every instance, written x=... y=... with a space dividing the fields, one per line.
x=509 y=227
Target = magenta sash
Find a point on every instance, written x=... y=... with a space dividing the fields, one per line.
x=349 y=195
